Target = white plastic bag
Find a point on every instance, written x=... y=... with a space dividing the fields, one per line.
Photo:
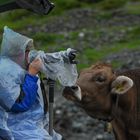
x=57 y=66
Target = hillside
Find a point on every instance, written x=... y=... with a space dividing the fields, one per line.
x=92 y=28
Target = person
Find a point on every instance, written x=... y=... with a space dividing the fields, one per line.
x=21 y=105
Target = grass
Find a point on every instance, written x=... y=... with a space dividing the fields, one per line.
x=48 y=41
x=20 y=19
x=93 y=55
x=47 y=38
x=5 y=1
x=133 y=8
x=112 y=4
x=65 y=5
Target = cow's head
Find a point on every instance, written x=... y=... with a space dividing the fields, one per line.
x=94 y=89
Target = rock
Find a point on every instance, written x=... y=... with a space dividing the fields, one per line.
x=81 y=35
x=99 y=137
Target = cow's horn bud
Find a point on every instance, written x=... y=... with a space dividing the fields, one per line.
x=78 y=94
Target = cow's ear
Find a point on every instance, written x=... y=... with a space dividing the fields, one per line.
x=121 y=85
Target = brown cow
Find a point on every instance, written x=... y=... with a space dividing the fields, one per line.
x=109 y=96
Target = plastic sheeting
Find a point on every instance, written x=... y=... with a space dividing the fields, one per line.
x=17 y=126
x=57 y=66
x=31 y=124
x=14 y=46
x=11 y=77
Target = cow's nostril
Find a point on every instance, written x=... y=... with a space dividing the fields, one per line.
x=74 y=87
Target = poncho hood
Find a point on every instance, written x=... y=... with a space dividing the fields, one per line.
x=14 y=46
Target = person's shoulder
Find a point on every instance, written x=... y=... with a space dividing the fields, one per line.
x=5 y=60
x=9 y=66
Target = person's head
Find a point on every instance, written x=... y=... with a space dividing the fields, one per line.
x=16 y=47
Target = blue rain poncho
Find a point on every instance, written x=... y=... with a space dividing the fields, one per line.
x=28 y=94
x=30 y=124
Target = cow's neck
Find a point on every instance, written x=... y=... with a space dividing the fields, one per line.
x=123 y=108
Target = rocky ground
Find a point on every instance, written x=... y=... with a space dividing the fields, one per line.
x=70 y=121
x=129 y=59
x=85 y=18
x=95 y=28
x=74 y=124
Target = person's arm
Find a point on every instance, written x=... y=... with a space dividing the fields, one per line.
x=29 y=89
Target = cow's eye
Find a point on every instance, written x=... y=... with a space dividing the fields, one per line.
x=113 y=72
x=100 y=79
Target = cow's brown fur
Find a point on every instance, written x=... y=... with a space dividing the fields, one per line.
x=99 y=102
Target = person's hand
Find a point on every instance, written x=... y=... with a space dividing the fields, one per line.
x=35 y=67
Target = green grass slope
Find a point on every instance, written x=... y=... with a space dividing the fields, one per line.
x=91 y=51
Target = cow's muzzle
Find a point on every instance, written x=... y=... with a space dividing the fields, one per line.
x=72 y=93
